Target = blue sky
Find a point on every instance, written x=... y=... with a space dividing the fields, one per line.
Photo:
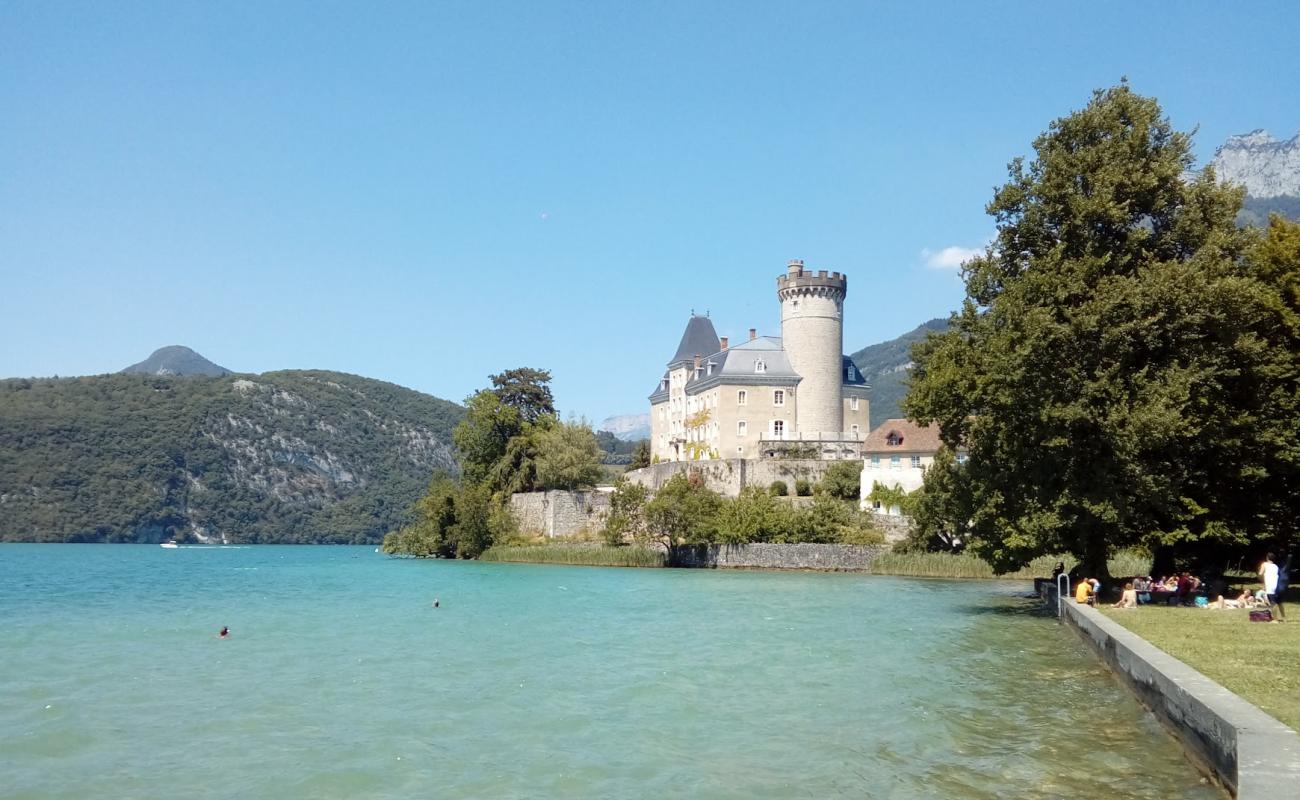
x=429 y=193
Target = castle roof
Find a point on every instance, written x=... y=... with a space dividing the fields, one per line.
x=902 y=436
x=699 y=339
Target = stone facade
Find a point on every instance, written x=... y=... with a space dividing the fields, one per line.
x=826 y=557
x=558 y=514
x=728 y=476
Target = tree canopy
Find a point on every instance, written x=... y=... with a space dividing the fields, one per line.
x=1122 y=370
x=509 y=441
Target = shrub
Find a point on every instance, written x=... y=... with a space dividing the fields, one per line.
x=803 y=487
x=842 y=480
x=779 y=489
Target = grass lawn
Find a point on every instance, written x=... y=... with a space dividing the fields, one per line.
x=1259 y=661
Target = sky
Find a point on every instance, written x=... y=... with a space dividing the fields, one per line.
x=428 y=193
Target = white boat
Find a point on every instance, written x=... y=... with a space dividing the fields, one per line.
x=169 y=545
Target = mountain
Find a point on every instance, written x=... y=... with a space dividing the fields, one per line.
x=176 y=360
x=885 y=367
x=1270 y=171
x=628 y=427
x=293 y=456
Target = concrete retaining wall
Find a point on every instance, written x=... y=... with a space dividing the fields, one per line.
x=1252 y=754
x=828 y=557
x=728 y=476
x=559 y=513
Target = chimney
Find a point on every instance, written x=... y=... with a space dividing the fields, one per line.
x=753 y=334
x=723 y=341
x=697 y=362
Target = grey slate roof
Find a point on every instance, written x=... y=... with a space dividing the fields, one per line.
x=737 y=365
x=699 y=339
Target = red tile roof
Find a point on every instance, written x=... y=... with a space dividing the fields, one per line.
x=911 y=438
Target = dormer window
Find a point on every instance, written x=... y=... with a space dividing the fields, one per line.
x=708 y=370
x=760 y=366
x=853 y=374
x=894 y=439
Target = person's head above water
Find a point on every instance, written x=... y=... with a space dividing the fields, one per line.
x=225 y=631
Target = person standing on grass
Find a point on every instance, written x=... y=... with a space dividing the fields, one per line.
x=1268 y=572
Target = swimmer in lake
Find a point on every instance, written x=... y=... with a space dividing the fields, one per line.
x=435 y=602
x=225 y=633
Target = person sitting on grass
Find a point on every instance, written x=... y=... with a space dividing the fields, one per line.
x=1083 y=592
x=1129 y=599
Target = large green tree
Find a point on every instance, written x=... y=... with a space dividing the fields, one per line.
x=1104 y=370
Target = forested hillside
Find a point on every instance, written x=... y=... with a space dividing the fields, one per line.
x=293 y=456
x=885 y=367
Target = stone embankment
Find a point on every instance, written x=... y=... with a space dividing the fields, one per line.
x=824 y=557
x=1252 y=754
x=559 y=514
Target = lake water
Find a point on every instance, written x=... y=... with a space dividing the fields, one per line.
x=340 y=680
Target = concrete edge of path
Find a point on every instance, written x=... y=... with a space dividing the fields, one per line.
x=1252 y=754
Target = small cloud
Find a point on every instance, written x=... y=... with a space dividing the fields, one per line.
x=950 y=257
x=544 y=215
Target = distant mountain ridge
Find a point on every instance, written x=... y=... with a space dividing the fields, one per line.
x=1269 y=169
x=289 y=457
x=1266 y=166
x=177 y=360
x=886 y=367
x=628 y=427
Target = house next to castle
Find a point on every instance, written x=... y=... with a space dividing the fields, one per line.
x=769 y=395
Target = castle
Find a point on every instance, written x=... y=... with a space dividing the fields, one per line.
x=793 y=395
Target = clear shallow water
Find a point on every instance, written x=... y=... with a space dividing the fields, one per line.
x=340 y=680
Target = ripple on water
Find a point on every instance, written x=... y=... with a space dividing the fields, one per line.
x=340 y=680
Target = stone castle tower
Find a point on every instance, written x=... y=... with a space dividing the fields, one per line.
x=812 y=333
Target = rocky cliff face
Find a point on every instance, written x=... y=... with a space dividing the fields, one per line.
x=628 y=427
x=279 y=457
x=1265 y=166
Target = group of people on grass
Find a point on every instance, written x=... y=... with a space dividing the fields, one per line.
x=1183 y=588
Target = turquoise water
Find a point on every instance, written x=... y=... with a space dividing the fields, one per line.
x=340 y=680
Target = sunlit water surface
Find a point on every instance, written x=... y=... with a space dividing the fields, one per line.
x=341 y=680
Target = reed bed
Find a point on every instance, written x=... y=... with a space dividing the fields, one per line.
x=590 y=556
x=965 y=565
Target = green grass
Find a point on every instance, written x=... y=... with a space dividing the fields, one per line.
x=591 y=556
x=1255 y=660
x=965 y=565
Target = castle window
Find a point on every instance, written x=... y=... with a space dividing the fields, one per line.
x=853 y=404
x=875 y=461
x=742 y=397
x=778 y=429
x=916 y=462
x=894 y=439
x=742 y=428
x=895 y=462
x=778 y=398
x=853 y=374
x=854 y=430
x=759 y=366
x=794 y=305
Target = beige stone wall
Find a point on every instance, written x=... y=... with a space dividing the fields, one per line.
x=861 y=416
x=757 y=413
x=728 y=476
x=559 y=513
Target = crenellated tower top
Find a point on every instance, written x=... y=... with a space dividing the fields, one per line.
x=800 y=282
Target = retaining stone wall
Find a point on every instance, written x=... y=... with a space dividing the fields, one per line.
x=556 y=513
x=729 y=475
x=1252 y=754
x=830 y=557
